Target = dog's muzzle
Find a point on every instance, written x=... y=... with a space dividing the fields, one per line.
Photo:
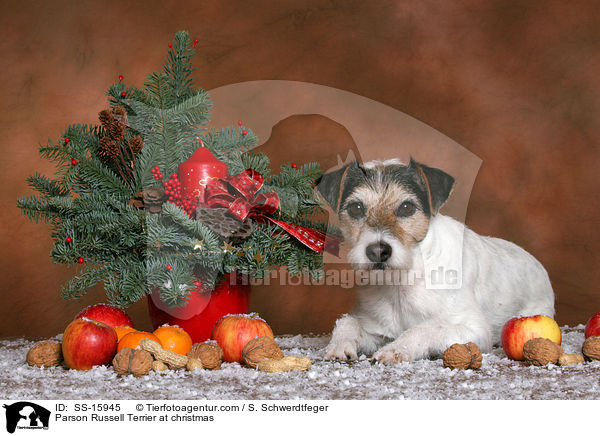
x=379 y=253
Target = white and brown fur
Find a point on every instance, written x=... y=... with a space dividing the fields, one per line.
x=410 y=321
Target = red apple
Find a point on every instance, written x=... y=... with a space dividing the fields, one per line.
x=233 y=332
x=517 y=331
x=111 y=315
x=87 y=343
x=592 y=328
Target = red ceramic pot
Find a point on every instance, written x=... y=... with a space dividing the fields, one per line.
x=203 y=309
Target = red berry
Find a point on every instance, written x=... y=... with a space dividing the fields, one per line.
x=244 y=132
x=293 y=165
x=69 y=239
x=80 y=260
x=174 y=175
x=73 y=161
x=67 y=140
x=123 y=94
x=240 y=122
x=120 y=77
x=169 y=267
x=170 y=45
x=195 y=42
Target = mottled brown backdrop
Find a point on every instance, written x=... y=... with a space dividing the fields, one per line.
x=515 y=82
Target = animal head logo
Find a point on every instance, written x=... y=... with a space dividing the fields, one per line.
x=26 y=415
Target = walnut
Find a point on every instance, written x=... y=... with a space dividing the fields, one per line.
x=45 y=353
x=209 y=353
x=136 y=362
x=259 y=349
x=463 y=356
x=591 y=348
x=541 y=351
x=476 y=356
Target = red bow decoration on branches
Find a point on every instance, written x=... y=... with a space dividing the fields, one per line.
x=239 y=194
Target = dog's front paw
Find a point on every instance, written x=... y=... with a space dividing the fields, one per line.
x=343 y=350
x=391 y=354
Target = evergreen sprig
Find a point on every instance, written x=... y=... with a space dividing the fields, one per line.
x=95 y=227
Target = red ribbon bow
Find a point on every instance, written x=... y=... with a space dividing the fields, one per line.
x=239 y=193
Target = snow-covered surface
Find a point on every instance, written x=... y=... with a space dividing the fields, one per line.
x=499 y=378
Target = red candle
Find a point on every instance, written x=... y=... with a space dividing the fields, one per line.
x=199 y=170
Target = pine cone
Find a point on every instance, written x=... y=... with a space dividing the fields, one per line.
x=151 y=199
x=136 y=143
x=109 y=149
x=105 y=118
x=224 y=225
x=120 y=114
x=116 y=130
x=137 y=201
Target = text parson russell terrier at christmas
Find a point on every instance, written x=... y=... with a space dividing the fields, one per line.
x=388 y=213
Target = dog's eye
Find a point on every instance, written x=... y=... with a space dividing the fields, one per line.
x=407 y=208
x=356 y=209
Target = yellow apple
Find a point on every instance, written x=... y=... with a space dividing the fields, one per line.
x=517 y=331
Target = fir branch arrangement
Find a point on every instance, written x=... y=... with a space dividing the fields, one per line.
x=108 y=213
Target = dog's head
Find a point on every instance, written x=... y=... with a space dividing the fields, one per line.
x=385 y=208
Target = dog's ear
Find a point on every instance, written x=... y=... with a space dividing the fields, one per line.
x=331 y=185
x=438 y=184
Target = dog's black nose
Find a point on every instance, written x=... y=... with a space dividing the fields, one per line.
x=379 y=251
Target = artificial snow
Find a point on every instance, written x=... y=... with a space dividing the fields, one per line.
x=498 y=378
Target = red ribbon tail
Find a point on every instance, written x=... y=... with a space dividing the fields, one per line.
x=316 y=240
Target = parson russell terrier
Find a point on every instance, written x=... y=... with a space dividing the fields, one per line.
x=388 y=213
